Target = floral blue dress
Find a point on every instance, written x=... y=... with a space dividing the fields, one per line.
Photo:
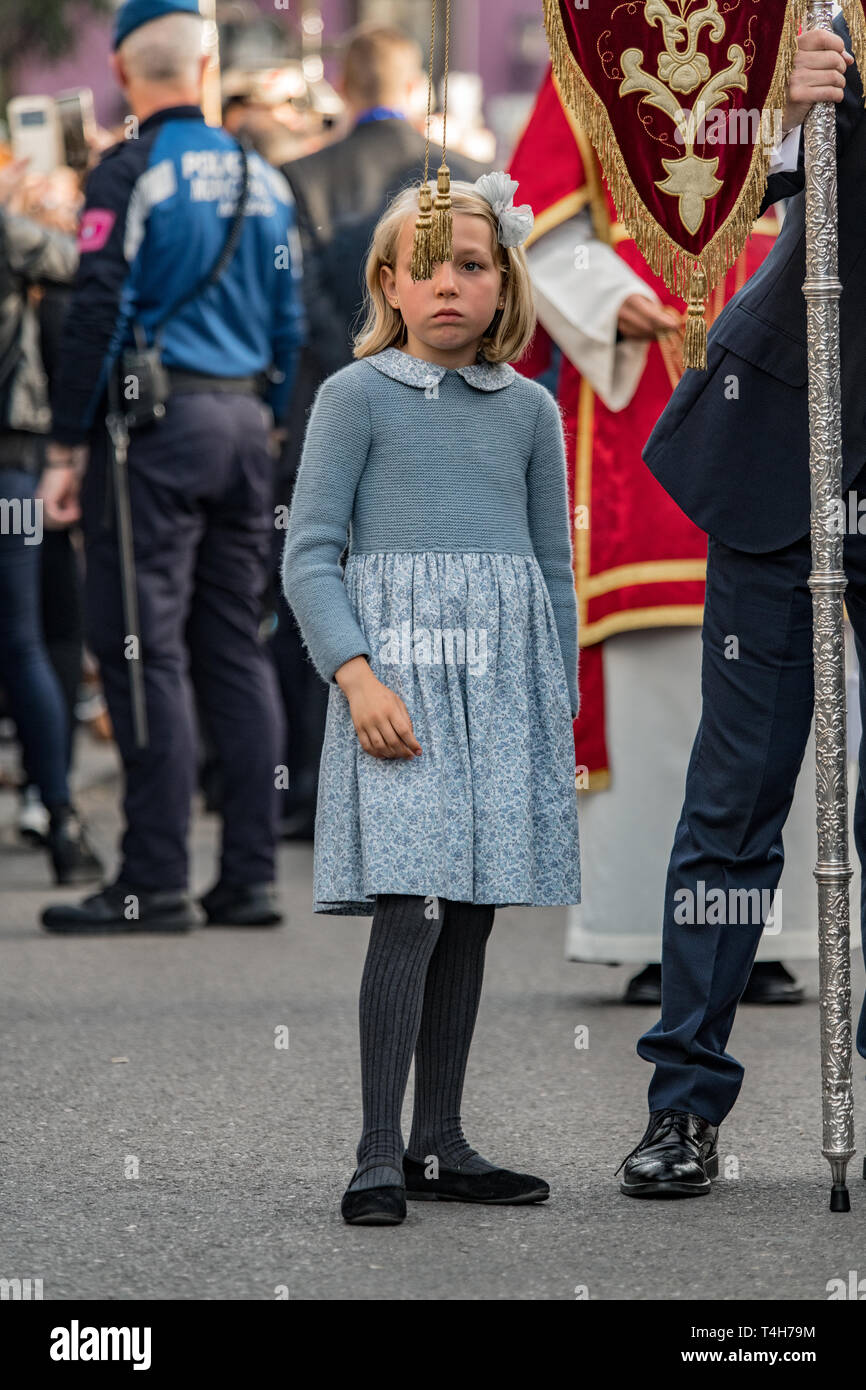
x=488 y=812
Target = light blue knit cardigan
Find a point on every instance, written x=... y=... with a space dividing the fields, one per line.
x=407 y=455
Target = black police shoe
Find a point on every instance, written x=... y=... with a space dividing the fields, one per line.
x=373 y=1206
x=677 y=1157
x=771 y=983
x=497 y=1188
x=112 y=912
x=244 y=905
x=73 y=858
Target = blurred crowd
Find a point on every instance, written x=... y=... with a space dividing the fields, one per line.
x=305 y=128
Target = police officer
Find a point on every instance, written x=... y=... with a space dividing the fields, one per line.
x=157 y=218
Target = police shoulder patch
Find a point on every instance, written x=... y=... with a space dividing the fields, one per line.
x=95 y=229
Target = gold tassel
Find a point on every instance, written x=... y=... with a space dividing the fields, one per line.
x=441 y=238
x=695 y=344
x=422 y=259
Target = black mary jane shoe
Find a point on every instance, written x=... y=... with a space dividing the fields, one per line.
x=373 y=1206
x=497 y=1188
x=677 y=1157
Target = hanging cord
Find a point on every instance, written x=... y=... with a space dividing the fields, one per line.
x=433 y=240
x=429 y=92
x=422 y=265
x=441 y=237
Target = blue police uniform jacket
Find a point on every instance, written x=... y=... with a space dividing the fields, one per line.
x=157 y=212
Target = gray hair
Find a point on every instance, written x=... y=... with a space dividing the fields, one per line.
x=167 y=49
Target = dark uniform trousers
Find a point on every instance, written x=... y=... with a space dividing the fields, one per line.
x=755 y=723
x=201 y=490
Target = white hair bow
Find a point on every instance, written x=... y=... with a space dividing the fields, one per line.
x=515 y=224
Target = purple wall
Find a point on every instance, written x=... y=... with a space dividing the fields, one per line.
x=87 y=66
x=484 y=40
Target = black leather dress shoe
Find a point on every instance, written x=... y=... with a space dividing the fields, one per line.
x=111 y=912
x=374 y=1206
x=771 y=983
x=498 y=1188
x=677 y=1157
x=247 y=905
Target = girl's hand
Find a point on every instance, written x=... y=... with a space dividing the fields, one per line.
x=380 y=717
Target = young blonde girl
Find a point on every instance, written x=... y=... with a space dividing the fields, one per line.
x=446 y=783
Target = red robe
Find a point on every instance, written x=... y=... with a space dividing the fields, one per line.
x=639 y=562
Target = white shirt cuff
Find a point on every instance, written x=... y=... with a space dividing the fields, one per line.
x=785 y=156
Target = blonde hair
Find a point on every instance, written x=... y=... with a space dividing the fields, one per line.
x=511 y=329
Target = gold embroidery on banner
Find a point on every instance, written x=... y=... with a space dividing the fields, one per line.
x=664 y=252
x=691 y=179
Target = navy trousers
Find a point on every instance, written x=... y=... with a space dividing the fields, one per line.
x=32 y=689
x=757 y=703
x=201 y=489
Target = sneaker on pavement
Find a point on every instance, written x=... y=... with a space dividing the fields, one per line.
x=33 y=818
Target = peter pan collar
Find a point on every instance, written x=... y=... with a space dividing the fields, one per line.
x=415 y=371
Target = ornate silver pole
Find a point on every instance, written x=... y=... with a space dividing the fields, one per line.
x=827 y=582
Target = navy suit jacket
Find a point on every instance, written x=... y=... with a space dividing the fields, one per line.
x=734 y=454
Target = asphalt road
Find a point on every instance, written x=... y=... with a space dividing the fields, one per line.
x=157 y=1144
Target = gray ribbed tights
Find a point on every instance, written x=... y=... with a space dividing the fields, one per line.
x=419 y=993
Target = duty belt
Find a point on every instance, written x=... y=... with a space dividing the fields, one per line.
x=181 y=381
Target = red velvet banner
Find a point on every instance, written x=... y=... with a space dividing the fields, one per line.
x=683 y=100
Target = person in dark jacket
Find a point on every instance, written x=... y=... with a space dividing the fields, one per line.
x=732 y=449
x=32 y=255
x=341 y=192
x=170 y=257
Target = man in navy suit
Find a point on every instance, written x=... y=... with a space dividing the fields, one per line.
x=732 y=449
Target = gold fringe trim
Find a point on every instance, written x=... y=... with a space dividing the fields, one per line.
x=665 y=256
x=441 y=237
x=852 y=11
x=422 y=260
x=695 y=341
